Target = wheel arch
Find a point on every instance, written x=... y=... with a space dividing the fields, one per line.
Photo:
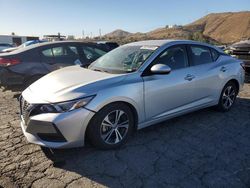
x=236 y=82
x=132 y=106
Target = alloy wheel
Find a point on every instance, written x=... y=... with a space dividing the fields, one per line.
x=114 y=127
x=228 y=97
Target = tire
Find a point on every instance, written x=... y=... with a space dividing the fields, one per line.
x=227 y=97
x=102 y=130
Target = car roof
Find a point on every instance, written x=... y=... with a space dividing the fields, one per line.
x=46 y=44
x=164 y=42
x=105 y=42
x=150 y=43
x=160 y=43
x=60 y=42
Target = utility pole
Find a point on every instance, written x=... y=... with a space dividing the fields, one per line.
x=82 y=34
x=100 y=33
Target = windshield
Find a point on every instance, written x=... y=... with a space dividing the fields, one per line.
x=123 y=59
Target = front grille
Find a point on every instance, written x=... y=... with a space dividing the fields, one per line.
x=25 y=109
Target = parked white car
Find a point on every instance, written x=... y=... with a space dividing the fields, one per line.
x=4 y=46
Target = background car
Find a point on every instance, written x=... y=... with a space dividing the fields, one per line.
x=133 y=86
x=25 y=44
x=108 y=45
x=241 y=50
x=4 y=46
x=25 y=65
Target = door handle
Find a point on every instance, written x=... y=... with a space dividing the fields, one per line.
x=223 y=69
x=189 y=77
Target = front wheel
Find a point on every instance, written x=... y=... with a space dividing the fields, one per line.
x=227 y=97
x=111 y=126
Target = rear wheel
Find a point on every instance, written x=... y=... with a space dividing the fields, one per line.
x=111 y=126
x=227 y=97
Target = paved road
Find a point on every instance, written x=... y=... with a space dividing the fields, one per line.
x=201 y=149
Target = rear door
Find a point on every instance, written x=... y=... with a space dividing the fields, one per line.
x=206 y=72
x=59 y=56
x=47 y=58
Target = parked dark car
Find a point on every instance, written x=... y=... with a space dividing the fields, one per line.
x=241 y=50
x=26 y=65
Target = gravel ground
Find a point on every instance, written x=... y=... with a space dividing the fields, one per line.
x=201 y=149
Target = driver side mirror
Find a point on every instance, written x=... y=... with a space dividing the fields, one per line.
x=160 y=69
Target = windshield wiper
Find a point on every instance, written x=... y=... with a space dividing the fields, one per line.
x=100 y=70
x=97 y=70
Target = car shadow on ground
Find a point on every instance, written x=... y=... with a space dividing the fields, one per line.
x=203 y=148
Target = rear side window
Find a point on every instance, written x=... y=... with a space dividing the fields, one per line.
x=200 y=55
x=47 y=53
x=61 y=51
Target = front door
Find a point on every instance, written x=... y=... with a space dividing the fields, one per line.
x=170 y=93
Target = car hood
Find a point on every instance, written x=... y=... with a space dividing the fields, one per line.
x=69 y=83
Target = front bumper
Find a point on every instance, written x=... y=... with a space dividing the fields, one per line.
x=57 y=130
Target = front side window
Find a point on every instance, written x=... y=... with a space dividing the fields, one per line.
x=73 y=50
x=123 y=59
x=175 y=57
x=200 y=55
x=92 y=53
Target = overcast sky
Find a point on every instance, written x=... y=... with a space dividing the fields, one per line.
x=39 y=17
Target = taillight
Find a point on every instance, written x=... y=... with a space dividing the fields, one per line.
x=8 y=61
x=243 y=66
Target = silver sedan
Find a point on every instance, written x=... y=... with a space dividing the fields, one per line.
x=132 y=87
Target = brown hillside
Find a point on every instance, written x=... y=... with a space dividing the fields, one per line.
x=225 y=27
x=117 y=34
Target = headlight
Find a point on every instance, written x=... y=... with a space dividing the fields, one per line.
x=65 y=106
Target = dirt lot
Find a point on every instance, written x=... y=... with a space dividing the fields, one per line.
x=201 y=149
